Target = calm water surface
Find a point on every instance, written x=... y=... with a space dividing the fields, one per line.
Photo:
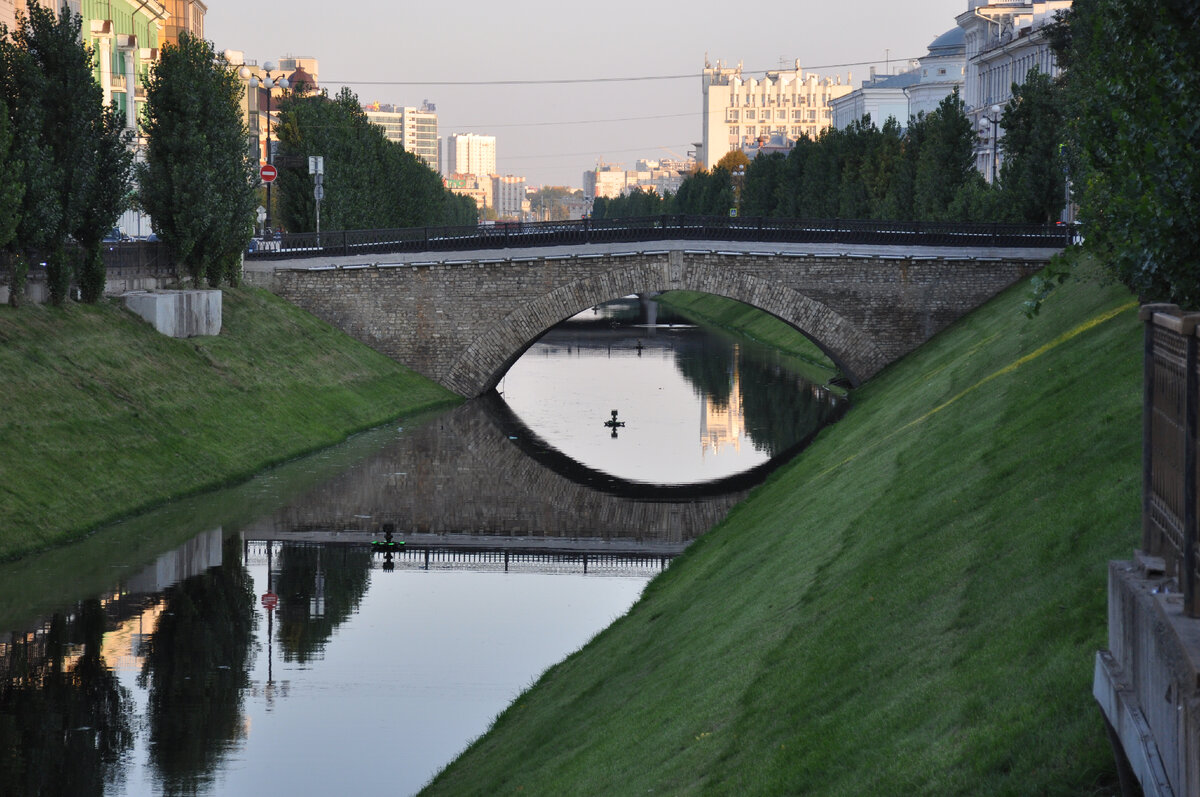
x=252 y=642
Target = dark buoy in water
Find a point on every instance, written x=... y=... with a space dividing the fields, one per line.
x=613 y=423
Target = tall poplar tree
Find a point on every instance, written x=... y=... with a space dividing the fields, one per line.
x=197 y=181
x=1032 y=176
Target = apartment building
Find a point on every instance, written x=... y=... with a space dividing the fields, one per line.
x=738 y=109
x=470 y=153
x=415 y=129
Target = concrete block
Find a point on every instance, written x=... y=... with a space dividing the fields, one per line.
x=178 y=314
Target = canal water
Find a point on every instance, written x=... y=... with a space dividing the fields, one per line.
x=266 y=640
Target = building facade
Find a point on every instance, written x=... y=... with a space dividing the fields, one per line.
x=470 y=153
x=477 y=188
x=415 y=129
x=508 y=197
x=1004 y=40
x=942 y=70
x=183 y=16
x=737 y=110
x=880 y=97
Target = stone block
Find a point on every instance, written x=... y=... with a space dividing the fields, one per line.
x=178 y=314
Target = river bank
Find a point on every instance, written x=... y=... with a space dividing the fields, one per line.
x=102 y=417
x=910 y=607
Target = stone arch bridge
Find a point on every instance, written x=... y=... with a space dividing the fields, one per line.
x=462 y=318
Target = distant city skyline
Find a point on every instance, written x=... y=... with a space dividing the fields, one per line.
x=629 y=82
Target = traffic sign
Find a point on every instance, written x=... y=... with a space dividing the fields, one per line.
x=268 y=173
x=269 y=601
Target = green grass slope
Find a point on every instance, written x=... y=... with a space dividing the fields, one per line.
x=101 y=416
x=749 y=322
x=910 y=607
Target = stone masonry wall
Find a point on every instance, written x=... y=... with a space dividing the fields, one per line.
x=462 y=323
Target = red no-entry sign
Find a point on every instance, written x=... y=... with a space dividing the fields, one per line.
x=268 y=173
x=270 y=600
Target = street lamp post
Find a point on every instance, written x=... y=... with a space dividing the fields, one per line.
x=269 y=83
x=739 y=177
x=992 y=116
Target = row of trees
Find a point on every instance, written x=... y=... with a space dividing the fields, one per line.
x=925 y=172
x=64 y=158
x=370 y=182
x=67 y=171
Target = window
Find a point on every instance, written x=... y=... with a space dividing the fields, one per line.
x=731 y=115
x=781 y=114
x=751 y=115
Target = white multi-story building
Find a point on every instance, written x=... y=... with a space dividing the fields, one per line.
x=415 y=129
x=880 y=97
x=470 y=153
x=738 y=110
x=508 y=197
x=612 y=180
x=908 y=94
x=1004 y=40
x=942 y=70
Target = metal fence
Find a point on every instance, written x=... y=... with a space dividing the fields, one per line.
x=661 y=228
x=1171 y=489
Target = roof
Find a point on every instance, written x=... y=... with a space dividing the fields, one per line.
x=952 y=42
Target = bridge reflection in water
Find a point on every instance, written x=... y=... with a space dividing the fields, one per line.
x=476 y=479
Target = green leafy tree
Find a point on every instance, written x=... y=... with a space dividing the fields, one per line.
x=1133 y=83
x=53 y=101
x=945 y=161
x=105 y=199
x=197 y=180
x=370 y=182
x=760 y=193
x=12 y=188
x=1033 y=176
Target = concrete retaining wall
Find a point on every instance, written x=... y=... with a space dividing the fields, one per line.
x=1148 y=682
x=179 y=314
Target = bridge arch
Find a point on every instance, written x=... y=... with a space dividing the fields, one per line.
x=495 y=348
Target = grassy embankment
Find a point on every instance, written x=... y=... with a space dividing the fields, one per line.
x=910 y=607
x=804 y=356
x=102 y=417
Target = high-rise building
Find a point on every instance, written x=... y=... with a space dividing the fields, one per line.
x=415 y=129
x=470 y=153
x=508 y=196
x=738 y=110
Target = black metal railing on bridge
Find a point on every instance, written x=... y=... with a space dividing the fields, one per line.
x=502 y=235
x=1171 y=483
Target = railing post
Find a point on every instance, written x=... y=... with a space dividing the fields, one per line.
x=1190 y=497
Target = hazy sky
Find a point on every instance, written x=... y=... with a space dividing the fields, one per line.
x=551 y=133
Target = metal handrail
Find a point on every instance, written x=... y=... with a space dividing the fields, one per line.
x=501 y=235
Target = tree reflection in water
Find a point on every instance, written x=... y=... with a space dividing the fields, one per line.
x=780 y=407
x=65 y=721
x=196 y=669
x=316 y=595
